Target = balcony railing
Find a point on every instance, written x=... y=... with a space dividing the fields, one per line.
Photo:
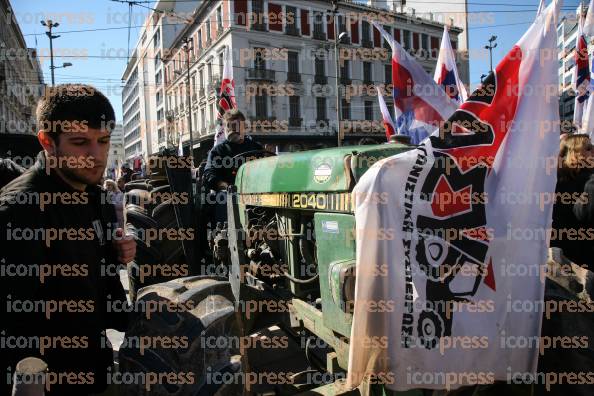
x=319 y=35
x=260 y=74
x=319 y=79
x=294 y=77
x=295 y=121
x=261 y=27
x=292 y=30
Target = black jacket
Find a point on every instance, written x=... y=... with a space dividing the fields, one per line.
x=219 y=166
x=568 y=194
x=9 y=170
x=71 y=235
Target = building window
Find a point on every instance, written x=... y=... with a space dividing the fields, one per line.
x=406 y=39
x=261 y=107
x=294 y=111
x=346 y=109
x=201 y=78
x=219 y=19
x=259 y=16
x=425 y=45
x=199 y=39
x=157 y=39
x=368 y=110
x=365 y=34
x=157 y=60
x=291 y=21
x=221 y=64
x=293 y=67
x=367 y=73
x=388 y=74
x=318 y=32
x=259 y=61
x=202 y=119
x=321 y=109
x=386 y=43
x=320 y=66
x=344 y=73
x=207 y=22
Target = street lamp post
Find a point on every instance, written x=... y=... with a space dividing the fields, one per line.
x=337 y=38
x=187 y=48
x=64 y=65
x=490 y=48
x=50 y=24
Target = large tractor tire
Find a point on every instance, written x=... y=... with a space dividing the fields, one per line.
x=149 y=212
x=198 y=341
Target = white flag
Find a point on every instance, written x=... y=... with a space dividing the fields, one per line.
x=436 y=304
x=446 y=71
x=180 y=148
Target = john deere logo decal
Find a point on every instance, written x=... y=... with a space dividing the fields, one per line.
x=322 y=173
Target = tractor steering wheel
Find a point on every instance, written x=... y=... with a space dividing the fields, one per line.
x=248 y=156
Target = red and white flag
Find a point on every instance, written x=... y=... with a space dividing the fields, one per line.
x=422 y=105
x=581 y=76
x=443 y=303
x=226 y=98
x=446 y=71
x=388 y=123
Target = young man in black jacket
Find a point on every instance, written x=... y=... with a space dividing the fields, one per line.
x=59 y=287
x=220 y=170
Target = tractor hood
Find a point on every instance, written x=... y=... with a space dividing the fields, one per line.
x=325 y=170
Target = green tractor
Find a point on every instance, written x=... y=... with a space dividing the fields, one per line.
x=261 y=304
x=284 y=260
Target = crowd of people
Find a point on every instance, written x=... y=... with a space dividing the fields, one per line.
x=575 y=179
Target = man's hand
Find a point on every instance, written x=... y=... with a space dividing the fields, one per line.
x=125 y=246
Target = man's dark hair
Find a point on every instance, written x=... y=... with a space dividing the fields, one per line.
x=74 y=108
x=233 y=115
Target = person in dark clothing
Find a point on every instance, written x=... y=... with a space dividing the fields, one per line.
x=9 y=170
x=220 y=170
x=61 y=249
x=576 y=159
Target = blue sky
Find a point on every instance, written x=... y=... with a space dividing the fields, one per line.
x=99 y=57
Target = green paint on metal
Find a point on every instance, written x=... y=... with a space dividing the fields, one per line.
x=335 y=249
x=311 y=171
